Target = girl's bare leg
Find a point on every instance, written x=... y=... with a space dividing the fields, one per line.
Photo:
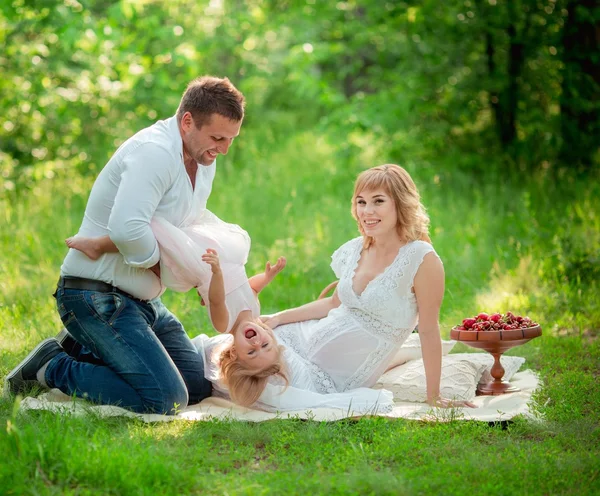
x=93 y=248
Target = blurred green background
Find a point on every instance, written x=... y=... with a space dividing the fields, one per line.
x=492 y=106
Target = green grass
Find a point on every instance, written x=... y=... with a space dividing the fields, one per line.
x=528 y=245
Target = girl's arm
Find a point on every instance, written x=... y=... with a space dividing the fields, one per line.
x=429 y=292
x=216 y=293
x=314 y=310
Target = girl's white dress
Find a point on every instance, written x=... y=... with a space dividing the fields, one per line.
x=182 y=267
x=335 y=360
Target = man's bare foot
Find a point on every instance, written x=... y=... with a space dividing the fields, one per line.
x=272 y=270
x=87 y=246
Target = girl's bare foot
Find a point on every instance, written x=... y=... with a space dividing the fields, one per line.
x=272 y=270
x=259 y=281
x=87 y=246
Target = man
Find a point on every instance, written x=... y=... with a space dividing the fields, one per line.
x=141 y=357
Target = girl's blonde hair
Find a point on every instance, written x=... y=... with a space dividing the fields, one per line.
x=246 y=385
x=413 y=221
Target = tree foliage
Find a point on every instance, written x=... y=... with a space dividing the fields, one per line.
x=476 y=78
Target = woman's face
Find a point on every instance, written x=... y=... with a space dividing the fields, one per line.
x=376 y=212
x=254 y=346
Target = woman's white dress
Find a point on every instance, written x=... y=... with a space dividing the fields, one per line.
x=182 y=267
x=338 y=358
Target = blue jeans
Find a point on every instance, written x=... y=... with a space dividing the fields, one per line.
x=144 y=360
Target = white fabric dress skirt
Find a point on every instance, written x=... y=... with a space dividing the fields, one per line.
x=182 y=267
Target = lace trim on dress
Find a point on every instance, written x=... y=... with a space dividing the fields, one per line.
x=384 y=408
x=329 y=332
x=378 y=297
x=425 y=248
x=380 y=328
x=321 y=380
x=341 y=258
x=367 y=368
x=394 y=275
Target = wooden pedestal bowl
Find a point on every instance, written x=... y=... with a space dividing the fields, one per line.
x=496 y=343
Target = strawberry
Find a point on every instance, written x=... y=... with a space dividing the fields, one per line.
x=495 y=317
x=468 y=323
x=483 y=316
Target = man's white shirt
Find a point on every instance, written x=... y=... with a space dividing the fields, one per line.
x=146 y=177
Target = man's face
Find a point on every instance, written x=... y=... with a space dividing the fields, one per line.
x=204 y=144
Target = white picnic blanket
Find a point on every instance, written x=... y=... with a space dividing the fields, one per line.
x=490 y=408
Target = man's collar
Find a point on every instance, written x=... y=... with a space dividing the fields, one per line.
x=173 y=126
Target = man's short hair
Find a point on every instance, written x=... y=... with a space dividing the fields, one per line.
x=208 y=95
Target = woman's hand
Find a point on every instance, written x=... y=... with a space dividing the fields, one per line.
x=446 y=403
x=271 y=321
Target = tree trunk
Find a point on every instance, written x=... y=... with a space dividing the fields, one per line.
x=511 y=97
x=580 y=99
x=504 y=97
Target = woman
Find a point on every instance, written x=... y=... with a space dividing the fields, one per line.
x=390 y=278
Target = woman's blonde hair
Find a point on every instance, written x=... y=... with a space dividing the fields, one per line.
x=413 y=221
x=246 y=385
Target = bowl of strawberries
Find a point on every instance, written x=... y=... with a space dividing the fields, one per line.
x=496 y=333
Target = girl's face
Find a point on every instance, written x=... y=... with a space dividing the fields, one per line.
x=254 y=346
x=376 y=212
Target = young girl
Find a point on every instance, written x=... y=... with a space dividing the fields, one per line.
x=190 y=258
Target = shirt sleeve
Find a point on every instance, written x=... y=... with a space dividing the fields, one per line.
x=146 y=177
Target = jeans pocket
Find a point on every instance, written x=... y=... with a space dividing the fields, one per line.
x=107 y=306
x=66 y=316
x=72 y=324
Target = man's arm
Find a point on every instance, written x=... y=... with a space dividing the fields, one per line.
x=145 y=179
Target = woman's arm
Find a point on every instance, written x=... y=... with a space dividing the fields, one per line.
x=429 y=292
x=219 y=314
x=314 y=310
